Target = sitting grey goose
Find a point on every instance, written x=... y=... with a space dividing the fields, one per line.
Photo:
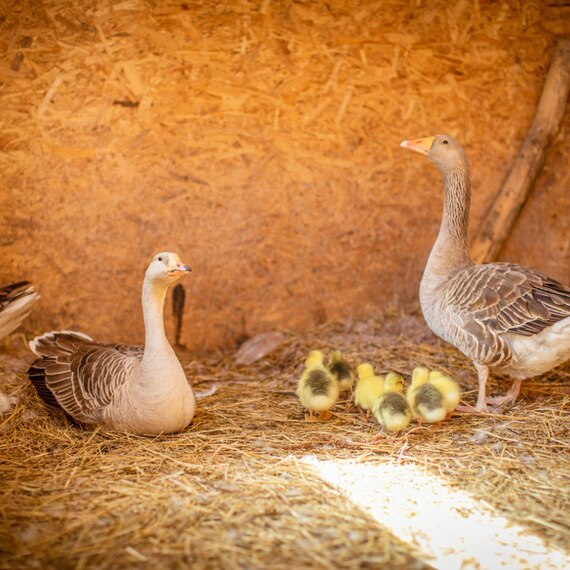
x=502 y=316
x=124 y=388
x=16 y=301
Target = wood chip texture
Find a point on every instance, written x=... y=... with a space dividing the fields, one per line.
x=259 y=139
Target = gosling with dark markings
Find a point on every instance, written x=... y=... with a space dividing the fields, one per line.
x=341 y=370
x=392 y=410
x=317 y=389
x=429 y=404
x=318 y=382
x=425 y=400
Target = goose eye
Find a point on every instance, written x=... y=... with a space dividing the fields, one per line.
x=444 y=141
x=160 y=258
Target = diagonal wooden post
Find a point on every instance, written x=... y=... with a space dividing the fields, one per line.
x=508 y=202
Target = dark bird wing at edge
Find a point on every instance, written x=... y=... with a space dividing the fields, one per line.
x=10 y=293
x=16 y=301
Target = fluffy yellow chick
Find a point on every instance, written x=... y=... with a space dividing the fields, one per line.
x=448 y=387
x=368 y=388
x=419 y=376
x=425 y=400
x=392 y=410
x=317 y=388
x=341 y=370
x=434 y=374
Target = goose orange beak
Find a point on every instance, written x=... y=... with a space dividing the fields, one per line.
x=419 y=145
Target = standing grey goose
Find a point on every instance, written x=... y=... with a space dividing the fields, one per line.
x=16 y=301
x=502 y=316
x=124 y=388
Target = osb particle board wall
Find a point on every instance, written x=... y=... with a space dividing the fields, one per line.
x=258 y=139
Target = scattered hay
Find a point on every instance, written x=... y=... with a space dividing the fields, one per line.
x=233 y=490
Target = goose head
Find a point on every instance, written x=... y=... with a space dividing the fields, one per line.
x=166 y=268
x=444 y=151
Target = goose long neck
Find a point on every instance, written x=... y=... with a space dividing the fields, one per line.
x=153 y=296
x=451 y=250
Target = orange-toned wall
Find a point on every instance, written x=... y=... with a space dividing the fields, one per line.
x=263 y=149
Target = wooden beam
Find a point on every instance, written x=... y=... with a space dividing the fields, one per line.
x=501 y=216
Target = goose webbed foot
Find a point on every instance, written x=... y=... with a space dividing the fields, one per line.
x=509 y=398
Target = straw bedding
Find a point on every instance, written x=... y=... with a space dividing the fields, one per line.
x=233 y=492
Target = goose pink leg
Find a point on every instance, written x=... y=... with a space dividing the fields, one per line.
x=483 y=376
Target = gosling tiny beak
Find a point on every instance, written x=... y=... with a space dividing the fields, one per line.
x=419 y=145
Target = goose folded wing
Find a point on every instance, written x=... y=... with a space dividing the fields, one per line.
x=506 y=298
x=135 y=351
x=83 y=382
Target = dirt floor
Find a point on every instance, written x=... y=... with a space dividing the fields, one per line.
x=251 y=485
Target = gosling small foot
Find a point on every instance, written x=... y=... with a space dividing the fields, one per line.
x=310 y=417
x=324 y=416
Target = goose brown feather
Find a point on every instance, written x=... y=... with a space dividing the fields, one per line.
x=82 y=376
x=510 y=299
x=487 y=301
